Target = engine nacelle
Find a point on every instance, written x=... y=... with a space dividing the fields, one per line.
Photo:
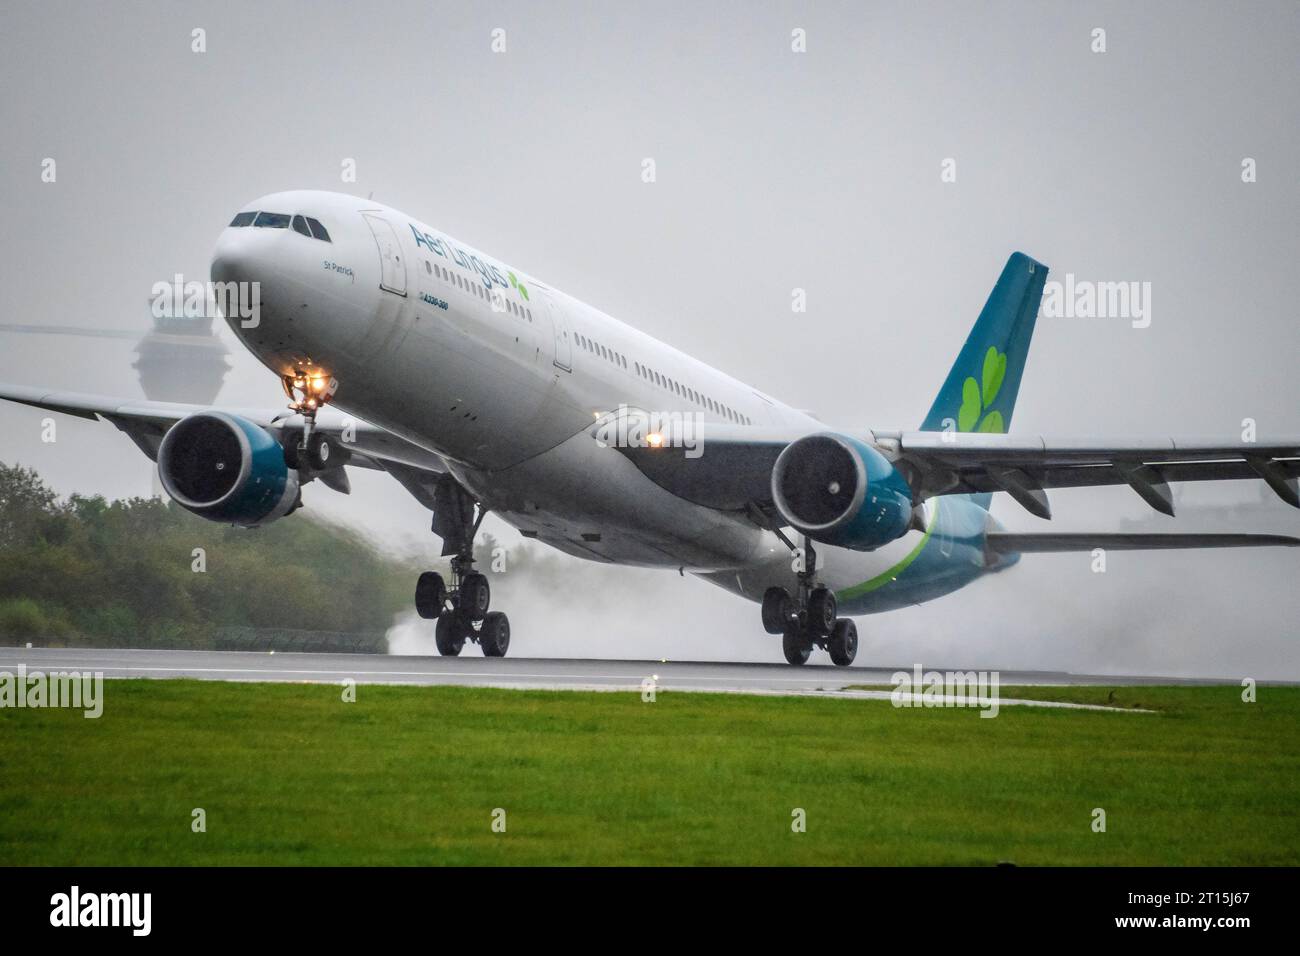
x=841 y=491
x=225 y=468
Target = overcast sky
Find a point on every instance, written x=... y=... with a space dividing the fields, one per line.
x=775 y=170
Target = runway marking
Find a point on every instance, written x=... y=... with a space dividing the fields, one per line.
x=813 y=684
x=412 y=673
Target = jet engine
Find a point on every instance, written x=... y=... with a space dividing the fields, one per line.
x=841 y=491
x=228 y=469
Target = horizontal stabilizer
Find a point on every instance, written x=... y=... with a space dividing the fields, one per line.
x=1007 y=543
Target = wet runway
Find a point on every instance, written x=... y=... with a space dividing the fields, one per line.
x=521 y=673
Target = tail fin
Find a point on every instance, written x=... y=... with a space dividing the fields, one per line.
x=980 y=391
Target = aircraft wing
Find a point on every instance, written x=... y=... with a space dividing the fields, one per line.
x=1025 y=467
x=145 y=423
x=729 y=466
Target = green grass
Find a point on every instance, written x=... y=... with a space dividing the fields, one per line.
x=291 y=774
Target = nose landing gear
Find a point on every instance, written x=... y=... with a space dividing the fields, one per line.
x=309 y=390
x=461 y=610
x=808 y=618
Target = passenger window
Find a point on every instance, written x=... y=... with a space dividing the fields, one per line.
x=428 y=267
x=244 y=219
x=317 y=230
x=300 y=225
x=272 y=220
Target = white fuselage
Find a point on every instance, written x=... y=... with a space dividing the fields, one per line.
x=503 y=376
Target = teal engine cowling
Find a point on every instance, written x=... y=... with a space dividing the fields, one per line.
x=840 y=491
x=228 y=469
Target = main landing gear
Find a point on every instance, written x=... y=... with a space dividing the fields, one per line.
x=461 y=610
x=808 y=618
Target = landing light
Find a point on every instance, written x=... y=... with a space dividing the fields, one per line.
x=654 y=439
x=308 y=388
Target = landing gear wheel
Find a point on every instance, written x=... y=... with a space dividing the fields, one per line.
x=821 y=612
x=843 y=643
x=475 y=596
x=450 y=635
x=797 y=647
x=320 y=450
x=776 y=610
x=430 y=595
x=494 y=635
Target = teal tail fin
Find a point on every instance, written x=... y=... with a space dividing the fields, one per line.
x=980 y=391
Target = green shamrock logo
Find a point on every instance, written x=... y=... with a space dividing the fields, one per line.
x=976 y=398
x=518 y=285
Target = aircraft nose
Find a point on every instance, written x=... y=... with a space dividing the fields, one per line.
x=239 y=272
x=231 y=259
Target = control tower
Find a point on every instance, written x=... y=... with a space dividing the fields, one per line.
x=181 y=360
x=178 y=360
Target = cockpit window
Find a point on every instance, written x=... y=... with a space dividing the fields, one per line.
x=300 y=225
x=317 y=230
x=272 y=220
x=244 y=219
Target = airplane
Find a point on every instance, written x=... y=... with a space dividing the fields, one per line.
x=480 y=388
